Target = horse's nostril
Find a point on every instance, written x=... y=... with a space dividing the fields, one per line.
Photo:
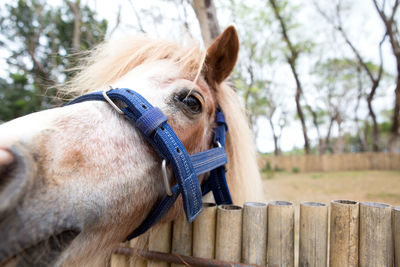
x=6 y=157
x=6 y=166
x=17 y=170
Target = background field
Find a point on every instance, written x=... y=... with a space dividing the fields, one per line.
x=376 y=186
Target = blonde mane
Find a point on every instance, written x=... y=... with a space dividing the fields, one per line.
x=112 y=60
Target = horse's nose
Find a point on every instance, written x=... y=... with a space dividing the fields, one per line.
x=6 y=162
x=17 y=170
x=6 y=157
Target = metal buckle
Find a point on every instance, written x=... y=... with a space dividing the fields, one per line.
x=111 y=102
x=219 y=144
x=165 y=177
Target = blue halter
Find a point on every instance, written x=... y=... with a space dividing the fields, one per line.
x=152 y=123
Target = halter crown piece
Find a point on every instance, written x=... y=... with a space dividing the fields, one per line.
x=152 y=123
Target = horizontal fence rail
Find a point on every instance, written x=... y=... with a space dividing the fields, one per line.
x=334 y=162
x=178 y=259
x=345 y=233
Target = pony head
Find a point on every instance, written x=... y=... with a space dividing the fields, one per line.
x=76 y=180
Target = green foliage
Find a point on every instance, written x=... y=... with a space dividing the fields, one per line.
x=337 y=78
x=296 y=170
x=301 y=44
x=39 y=38
x=267 y=167
x=316 y=176
x=268 y=171
x=17 y=97
x=386 y=126
x=260 y=50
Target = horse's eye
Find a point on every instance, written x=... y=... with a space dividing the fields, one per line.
x=189 y=102
x=193 y=103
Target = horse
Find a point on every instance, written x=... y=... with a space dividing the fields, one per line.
x=76 y=180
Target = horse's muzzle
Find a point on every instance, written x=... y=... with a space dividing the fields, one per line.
x=30 y=231
x=17 y=172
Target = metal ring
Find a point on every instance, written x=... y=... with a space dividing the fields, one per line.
x=111 y=102
x=219 y=144
x=165 y=177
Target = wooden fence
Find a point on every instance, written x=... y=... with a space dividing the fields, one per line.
x=334 y=162
x=347 y=233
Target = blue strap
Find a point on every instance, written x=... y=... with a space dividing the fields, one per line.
x=164 y=141
x=214 y=160
x=217 y=178
x=209 y=160
x=150 y=121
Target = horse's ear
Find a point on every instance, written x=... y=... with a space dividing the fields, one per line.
x=222 y=56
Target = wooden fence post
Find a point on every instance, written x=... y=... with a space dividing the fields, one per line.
x=396 y=235
x=313 y=234
x=229 y=233
x=160 y=240
x=204 y=232
x=344 y=224
x=376 y=246
x=182 y=238
x=118 y=260
x=280 y=250
x=254 y=242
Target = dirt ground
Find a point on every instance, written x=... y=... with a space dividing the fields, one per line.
x=373 y=186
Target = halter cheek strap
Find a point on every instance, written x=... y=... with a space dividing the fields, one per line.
x=217 y=181
x=152 y=123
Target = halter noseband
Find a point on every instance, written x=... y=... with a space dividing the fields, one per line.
x=152 y=123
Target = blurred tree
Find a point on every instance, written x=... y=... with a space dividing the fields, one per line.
x=338 y=81
x=284 y=14
x=353 y=142
x=19 y=100
x=374 y=77
x=390 y=15
x=276 y=110
x=255 y=70
x=43 y=42
x=207 y=16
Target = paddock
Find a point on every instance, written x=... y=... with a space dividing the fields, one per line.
x=341 y=233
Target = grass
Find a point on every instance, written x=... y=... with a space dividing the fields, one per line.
x=384 y=195
x=375 y=186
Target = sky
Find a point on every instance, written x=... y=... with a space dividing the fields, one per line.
x=365 y=29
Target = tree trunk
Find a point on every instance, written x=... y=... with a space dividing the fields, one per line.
x=393 y=32
x=328 y=137
x=76 y=38
x=302 y=120
x=207 y=16
x=395 y=119
x=292 y=57
x=360 y=133
x=375 y=129
x=339 y=145
x=277 y=151
x=366 y=129
x=315 y=122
